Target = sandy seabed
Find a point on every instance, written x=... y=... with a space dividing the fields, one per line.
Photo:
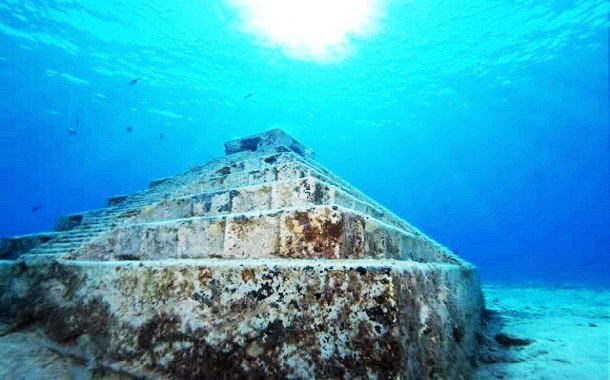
x=534 y=332
x=566 y=332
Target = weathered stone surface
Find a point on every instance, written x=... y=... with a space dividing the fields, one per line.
x=329 y=232
x=263 y=141
x=116 y=200
x=261 y=264
x=298 y=186
x=227 y=181
x=157 y=182
x=307 y=191
x=258 y=318
x=68 y=222
x=11 y=248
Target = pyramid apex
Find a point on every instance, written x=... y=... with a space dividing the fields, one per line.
x=266 y=141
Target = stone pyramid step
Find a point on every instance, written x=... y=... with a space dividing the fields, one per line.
x=285 y=318
x=39 y=258
x=91 y=223
x=245 y=170
x=307 y=191
x=58 y=242
x=297 y=152
x=123 y=204
x=288 y=166
x=302 y=192
x=350 y=189
x=48 y=250
x=306 y=232
x=259 y=172
x=162 y=186
x=214 y=173
x=240 y=174
x=55 y=248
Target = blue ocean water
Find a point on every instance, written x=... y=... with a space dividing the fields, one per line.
x=485 y=124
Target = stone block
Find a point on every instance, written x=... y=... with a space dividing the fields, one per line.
x=201 y=238
x=319 y=231
x=163 y=210
x=381 y=240
x=268 y=140
x=252 y=236
x=264 y=318
x=303 y=192
x=343 y=199
x=251 y=199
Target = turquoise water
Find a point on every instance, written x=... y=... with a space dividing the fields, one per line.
x=483 y=123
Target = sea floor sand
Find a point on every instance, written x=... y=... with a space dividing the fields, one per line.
x=569 y=330
x=22 y=356
x=27 y=354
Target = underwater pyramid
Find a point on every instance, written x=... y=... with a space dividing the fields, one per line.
x=258 y=264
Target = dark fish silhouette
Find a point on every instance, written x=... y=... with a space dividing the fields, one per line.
x=129 y=129
x=71 y=131
x=77 y=122
x=134 y=81
x=161 y=136
x=248 y=95
x=36 y=208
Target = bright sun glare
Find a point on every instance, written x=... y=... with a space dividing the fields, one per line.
x=318 y=30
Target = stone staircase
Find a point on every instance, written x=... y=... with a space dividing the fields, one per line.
x=245 y=185
x=72 y=231
x=262 y=263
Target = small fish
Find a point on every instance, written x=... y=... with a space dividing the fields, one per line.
x=161 y=136
x=71 y=131
x=129 y=129
x=36 y=208
x=77 y=122
x=134 y=81
x=248 y=95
